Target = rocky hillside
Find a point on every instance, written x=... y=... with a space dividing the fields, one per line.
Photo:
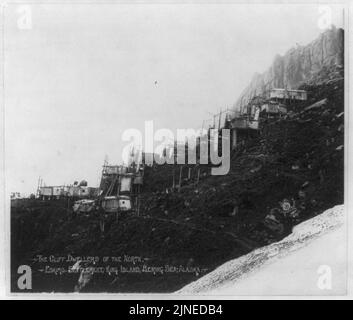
x=300 y=64
x=181 y=236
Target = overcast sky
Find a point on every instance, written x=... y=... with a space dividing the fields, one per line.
x=82 y=74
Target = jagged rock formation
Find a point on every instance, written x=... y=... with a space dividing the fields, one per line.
x=322 y=57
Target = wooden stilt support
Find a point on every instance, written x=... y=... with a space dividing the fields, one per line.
x=180 y=177
x=173 y=185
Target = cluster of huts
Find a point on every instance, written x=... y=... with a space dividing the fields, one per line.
x=272 y=104
x=120 y=188
x=118 y=191
x=74 y=191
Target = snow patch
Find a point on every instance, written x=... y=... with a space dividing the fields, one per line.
x=294 y=255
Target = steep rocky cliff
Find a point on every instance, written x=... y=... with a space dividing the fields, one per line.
x=322 y=57
x=211 y=220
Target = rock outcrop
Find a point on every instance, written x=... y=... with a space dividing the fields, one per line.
x=299 y=65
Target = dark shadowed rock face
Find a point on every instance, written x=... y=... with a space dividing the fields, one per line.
x=300 y=64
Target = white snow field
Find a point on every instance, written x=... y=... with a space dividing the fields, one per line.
x=310 y=261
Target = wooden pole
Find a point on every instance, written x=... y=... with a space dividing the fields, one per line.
x=37 y=193
x=180 y=176
x=138 y=202
x=173 y=186
x=219 y=119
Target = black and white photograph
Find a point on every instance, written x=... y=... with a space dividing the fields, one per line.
x=171 y=150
